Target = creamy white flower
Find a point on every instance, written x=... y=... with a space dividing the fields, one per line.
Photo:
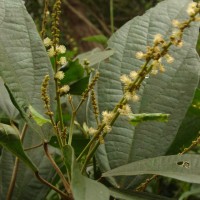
x=47 y=42
x=125 y=79
x=61 y=49
x=139 y=55
x=158 y=38
x=175 y=23
x=133 y=74
x=64 y=89
x=169 y=58
x=63 y=60
x=51 y=52
x=59 y=75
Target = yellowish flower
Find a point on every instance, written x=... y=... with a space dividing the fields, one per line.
x=158 y=38
x=125 y=79
x=61 y=49
x=107 y=129
x=192 y=8
x=47 y=42
x=125 y=110
x=135 y=98
x=92 y=131
x=63 y=60
x=169 y=58
x=107 y=117
x=64 y=89
x=51 y=52
x=133 y=74
x=175 y=23
x=59 y=75
x=140 y=55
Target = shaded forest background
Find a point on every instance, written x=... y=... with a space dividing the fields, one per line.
x=83 y=18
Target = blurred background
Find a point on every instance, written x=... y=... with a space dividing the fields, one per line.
x=83 y=18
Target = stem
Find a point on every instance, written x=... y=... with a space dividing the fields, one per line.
x=111 y=16
x=91 y=153
x=44 y=21
x=15 y=168
x=62 y=194
x=34 y=147
x=71 y=130
x=13 y=179
x=65 y=183
x=74 y=111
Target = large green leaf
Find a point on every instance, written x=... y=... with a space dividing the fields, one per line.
x=27 y=186
x=9 y=138
x=170 y=92
x=24 y=61
x=83 y=188
x=181 y=167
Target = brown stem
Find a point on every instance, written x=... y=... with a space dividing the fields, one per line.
x=65 y=183
x=34 y=147
x=15 y=167
x=13 y=179
x=62 y=194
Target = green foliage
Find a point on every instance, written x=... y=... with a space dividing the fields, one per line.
x=83 y=188
x=182 y=167
x=101 y=39
x=138 y=118
x=170 y=92
x=88 y=122
x=9 y=138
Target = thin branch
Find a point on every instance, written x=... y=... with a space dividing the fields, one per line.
x=16 y=166
x=34 y=147
x=62 y=194
x=13 y=179
x=65 y=183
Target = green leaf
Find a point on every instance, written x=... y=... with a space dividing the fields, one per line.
x=73 y=72
x=101 y=39
x=169 y=92
x=95 y=56
x=185 y=195
x=6 y=105
x=181 y=167
x=23 y=72
x=28 y=187
x=80 y=86
x=9 y=138
x=83 y=188
x=142 y=117
x=129 y=195
x=39 y=119
x=189 y=129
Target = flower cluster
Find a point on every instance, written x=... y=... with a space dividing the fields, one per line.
x=156 y=53
x=107 y=119
x=64 y=89
x=59 y=75
x=127 y=80
x=60 y=49
x=193 y=12
x=125 y=110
